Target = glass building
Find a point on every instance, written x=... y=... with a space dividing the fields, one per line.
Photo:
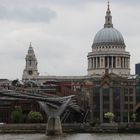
x=115 y=94
x=137 y=69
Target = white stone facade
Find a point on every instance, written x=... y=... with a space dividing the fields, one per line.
x=30 y=72
x=108 y=51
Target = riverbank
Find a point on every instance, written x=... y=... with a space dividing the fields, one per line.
x=65 y=136
x=71 y=128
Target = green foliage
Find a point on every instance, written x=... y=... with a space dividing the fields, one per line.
x=110 y=116
x=134 y=117
x=16 y=115
x=34 y=117
x=14 y=82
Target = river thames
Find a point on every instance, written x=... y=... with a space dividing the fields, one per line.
x=87 y=136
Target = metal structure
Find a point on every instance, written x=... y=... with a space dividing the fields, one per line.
x=52 y=106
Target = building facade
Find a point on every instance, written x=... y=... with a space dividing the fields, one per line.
x=108 y=51
x=137 y=69
x=112 y=93
x=108 y=86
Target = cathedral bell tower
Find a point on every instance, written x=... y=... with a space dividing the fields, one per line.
x=30 y=72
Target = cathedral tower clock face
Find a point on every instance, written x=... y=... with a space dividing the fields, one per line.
x=30 y=72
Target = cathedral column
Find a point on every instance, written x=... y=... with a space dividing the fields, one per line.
x=123 y=62
x=89 y=63
x=112 y=61
x=104 y=62
x=96 y=63
x=107 y=61
x=119 y=62
x=128 y=63
x=92 y=63
x=116 y=62
x=120 y=59
x=101 y=62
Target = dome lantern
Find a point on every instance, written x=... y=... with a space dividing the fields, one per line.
x=108 y=18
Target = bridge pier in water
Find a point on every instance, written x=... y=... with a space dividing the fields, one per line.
x=54 y=126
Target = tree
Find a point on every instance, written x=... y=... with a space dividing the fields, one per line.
x=134 y=117
x=14 y=82
x=110 y=116
x=16 y=115
x=34 y=117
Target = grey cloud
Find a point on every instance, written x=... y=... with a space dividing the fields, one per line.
x=70 y=1
x=119 y=1
x=79 y=2
x=26 y=13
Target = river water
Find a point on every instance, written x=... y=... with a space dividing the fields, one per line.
x=92 y=136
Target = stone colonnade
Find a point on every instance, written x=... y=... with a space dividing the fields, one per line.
x=109 y=61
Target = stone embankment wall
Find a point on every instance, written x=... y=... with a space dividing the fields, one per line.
x=70 y=128
x=22 y=128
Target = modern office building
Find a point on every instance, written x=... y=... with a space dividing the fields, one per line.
x=137 y=69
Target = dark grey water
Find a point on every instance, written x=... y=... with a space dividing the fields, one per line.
x=70 y=137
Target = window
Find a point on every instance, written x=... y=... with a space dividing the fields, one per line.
x=126 y=107
x=30 y=62
x=116 y=99
x=126 y=98
x=131 y=98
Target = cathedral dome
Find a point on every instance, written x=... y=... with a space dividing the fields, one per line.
x=108 y=51
x=108 y=36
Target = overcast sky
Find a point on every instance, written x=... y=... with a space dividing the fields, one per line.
x=61 y=32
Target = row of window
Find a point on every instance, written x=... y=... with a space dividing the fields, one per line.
x=108 y=47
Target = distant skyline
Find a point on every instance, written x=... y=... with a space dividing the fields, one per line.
x=62 y=33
